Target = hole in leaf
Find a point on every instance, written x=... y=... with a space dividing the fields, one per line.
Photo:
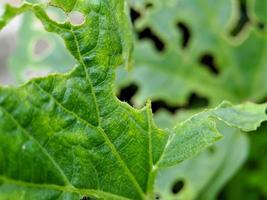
x=41 y=48
x=253 y=164
x=76 y=18
x=212 y=150
x=126 y=94
x=149 y=5
x=222 y=195
x=263 y=100
x=208 y=61
x=86 y=198
x=261 y=26
x=157 y=105
x=186 y=34
x=135 y=15
x=177 y=186
x=56 y=14
x=262 y=196
x=243 y=18
x=148 y=34
x=195 y=101
x=157 y=197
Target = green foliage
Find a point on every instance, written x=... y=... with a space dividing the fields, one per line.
x=67 y=136
x=252 y=177
x=176 y=72
x=241 y=61
x=204 y=175
x=27 y=61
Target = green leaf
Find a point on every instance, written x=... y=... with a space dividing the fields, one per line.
x=245 y=117
x=235 y=155
x=258 y=10
x=205 y=174
x=67 y=136
x=253 y=175
x=176 y=73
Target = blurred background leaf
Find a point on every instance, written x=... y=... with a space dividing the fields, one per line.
x=188 y=55
x=38 y=52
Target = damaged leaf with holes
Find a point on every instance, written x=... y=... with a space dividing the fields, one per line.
x=67 y=136
x=202 y=175
x=186 y=49
x=38 y=52
x=185 y=44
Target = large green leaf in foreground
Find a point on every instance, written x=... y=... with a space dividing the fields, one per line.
x=68 y=136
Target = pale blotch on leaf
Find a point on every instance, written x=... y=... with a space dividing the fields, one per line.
x=37 y=25
x=11 y=28
x=41 y=48
x=33 y=73
x=76 y=18
x=44 y=1
x=14 y=3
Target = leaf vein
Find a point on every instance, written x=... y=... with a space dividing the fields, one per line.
x=38 y=143
x=69 y=189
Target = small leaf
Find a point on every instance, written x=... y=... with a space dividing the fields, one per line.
x=201 y=130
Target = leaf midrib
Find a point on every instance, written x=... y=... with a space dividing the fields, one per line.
x=88 y=79
x=104 y=135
